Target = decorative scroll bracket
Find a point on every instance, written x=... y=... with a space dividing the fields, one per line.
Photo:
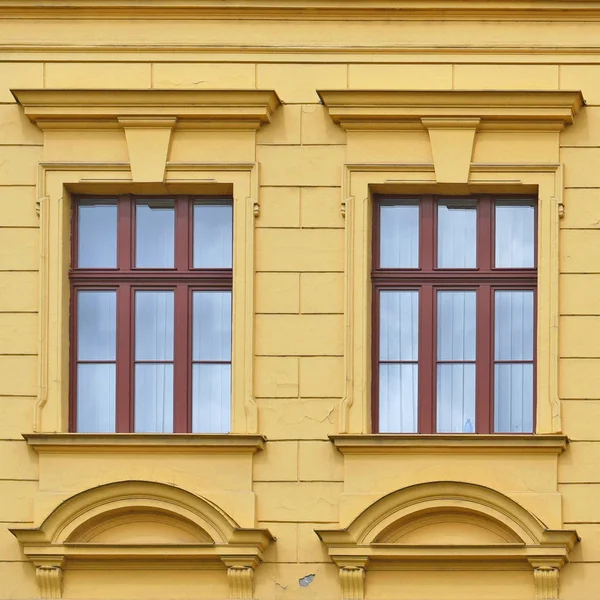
x=545 y=579
x=240 y=577
x=49 y=579
x=352 y=580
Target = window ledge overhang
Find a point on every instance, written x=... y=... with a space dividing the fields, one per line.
x=145 y=443
x=115 y=109
x=385 y=109
x=385 y=443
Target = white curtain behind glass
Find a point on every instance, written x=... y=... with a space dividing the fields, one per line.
x=96 y=367
x=398 y=356
x=456 y=319
x=211 y=369
x=154 y=321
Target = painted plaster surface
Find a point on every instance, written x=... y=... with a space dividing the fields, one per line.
x=300 y=179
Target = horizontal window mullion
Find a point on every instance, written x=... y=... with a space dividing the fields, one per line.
x=203 y=280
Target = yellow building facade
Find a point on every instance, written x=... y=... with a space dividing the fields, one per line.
x=306 y=117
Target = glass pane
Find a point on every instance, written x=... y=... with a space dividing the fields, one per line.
x=513 y=398
x=97 y=235
x=154 y=326
x=96 y=325
x=455 y=398
x=399 y=235
x=399 y=325
x=211 y=398
x=457 y=234
x=211 y=326
x=456 y=312
x=398 y=386
x=155 y=234
x=515 y=235
x=96 y=398
x=213 y=236
x=153 y=398
x=513 y=332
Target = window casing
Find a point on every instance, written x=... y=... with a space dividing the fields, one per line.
x=151 y=287
x=454 y=314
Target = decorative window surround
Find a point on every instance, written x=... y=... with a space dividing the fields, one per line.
x=146 y=119
x=148 y=116
x=399 y=532
x=453 y=121
x=68 y=535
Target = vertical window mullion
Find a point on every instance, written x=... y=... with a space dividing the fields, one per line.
x=125 y=233
x=182 y=358
x=485 y=234
x=183 y=232
x=125 y=337
x=484 y=362
x=427 y=234
x=426 y=396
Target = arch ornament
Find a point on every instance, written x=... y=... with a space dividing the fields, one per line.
x=142 y=522
x=445 y=522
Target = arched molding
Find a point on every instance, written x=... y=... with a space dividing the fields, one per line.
x=190 y=529
x=508 y=534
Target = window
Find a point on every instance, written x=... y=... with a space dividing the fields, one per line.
x=454 y=284
x=151 y=283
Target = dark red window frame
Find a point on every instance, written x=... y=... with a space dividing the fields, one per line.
x=427 y=279
x=125 y=279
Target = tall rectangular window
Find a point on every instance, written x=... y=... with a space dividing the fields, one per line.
x=151 y=284
x=454 y=288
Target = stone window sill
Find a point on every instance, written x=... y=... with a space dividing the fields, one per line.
x=383 y=443
x=145 y=443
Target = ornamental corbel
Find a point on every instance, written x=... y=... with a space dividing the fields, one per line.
x=546 y=578
x=49 y=576
x=352 y=580
x=352 y=577
x=240 y=577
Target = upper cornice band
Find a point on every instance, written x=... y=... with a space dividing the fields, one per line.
x=307 y=9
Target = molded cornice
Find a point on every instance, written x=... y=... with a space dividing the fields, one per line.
x=73 y=109
x=144 y=443
x=307 y=9
x=357 y=109
x=450 y=444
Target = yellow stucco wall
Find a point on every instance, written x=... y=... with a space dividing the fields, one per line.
x=299 y=481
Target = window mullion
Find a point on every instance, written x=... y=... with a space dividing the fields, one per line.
x=125 y=235
x=484 y=363
x=124 y=355
x=485 y=241
x=182 y=358
x=426 y=396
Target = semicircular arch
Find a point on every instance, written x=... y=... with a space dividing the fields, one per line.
x=73 y=519
x=490 y=508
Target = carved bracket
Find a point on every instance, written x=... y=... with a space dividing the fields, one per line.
x=352 y=580
x=49 y=580
x=546 y=582
x=241 y=582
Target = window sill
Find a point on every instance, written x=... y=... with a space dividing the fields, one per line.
x=385 y=443
x=192 y=443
